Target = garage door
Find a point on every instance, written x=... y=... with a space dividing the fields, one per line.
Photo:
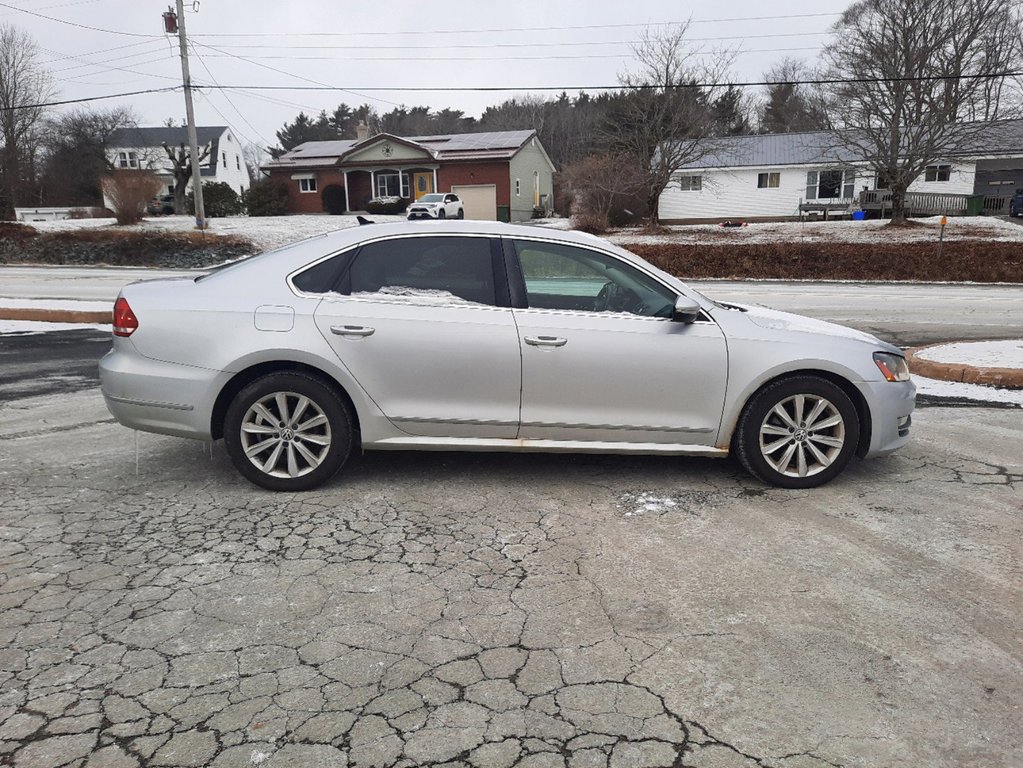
x=480 y=200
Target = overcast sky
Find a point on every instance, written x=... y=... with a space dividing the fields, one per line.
x=383 y=44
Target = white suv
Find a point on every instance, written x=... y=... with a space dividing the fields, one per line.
x=437 y=206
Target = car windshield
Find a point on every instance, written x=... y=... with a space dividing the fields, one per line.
x=432 y=198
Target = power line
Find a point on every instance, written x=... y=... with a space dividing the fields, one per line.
x=516 y=29
x=90 y=98
x=228 y=99
x=291 y=74
x=75 y=24
x=619 y=86
x=492 y=88
x=545 y=57
x=559 y=44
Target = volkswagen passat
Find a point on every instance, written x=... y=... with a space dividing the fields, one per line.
x=475 y=336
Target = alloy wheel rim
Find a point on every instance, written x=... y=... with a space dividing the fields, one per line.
x=802 y=435
x=285 y=434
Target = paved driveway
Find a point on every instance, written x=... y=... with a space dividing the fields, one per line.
x=475 y=610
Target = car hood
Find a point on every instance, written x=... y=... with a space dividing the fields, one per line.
x=775 y=320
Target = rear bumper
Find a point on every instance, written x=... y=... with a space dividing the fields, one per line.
x=155 y=396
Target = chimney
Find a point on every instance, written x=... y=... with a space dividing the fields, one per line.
x=361 y=131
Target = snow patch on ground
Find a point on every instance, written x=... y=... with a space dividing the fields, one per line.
x=30 y=327
x=957 y=390
x=67 y=304
x=870 y=231
x=266 y=232
x=981 y=354
x=273 y=231
x=648 y=502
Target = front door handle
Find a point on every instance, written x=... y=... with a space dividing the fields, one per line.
x=545 y=341
x=351 y=330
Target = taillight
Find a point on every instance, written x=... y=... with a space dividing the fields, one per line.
x=125 y=322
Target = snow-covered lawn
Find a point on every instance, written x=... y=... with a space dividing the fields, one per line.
x=975 y=392
x=273 y=231
x=981 y=354
x=875 y=230
x=265 y=231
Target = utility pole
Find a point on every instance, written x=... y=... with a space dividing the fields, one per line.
x=193 y=141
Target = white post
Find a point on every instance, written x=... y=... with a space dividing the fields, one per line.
x=348 y=202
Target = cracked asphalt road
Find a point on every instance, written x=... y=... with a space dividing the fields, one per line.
x=500 y=610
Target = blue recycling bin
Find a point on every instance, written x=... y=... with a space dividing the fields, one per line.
x=859 y=215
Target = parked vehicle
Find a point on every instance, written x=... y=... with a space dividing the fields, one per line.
x=481 y=336
x=161 y=206
x=1016 y=204
x=437 y=206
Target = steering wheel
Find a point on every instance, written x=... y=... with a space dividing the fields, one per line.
x=615 y=298
x=603 y=301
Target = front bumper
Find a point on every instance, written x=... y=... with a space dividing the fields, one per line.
x=891 y=407
x=423 y=214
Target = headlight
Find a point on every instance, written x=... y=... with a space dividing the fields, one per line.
x=892 y=367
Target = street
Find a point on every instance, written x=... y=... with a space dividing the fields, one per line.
x=499 y=610
x=907 y=314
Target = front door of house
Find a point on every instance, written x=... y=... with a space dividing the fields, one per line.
x=424 y=184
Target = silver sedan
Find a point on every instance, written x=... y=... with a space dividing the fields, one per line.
x=474 y=336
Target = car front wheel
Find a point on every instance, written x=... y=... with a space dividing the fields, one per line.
x=288 y=432
x=798 y=432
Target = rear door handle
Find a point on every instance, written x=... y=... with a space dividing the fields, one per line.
x=351 y=330
x=545 y=341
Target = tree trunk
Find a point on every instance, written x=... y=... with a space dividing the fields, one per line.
x=898 y=203
x=10 y=184
x=180 y=189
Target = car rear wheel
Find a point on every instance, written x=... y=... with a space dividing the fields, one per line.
x=461 y=213
x=798 y=432
x=288 y=432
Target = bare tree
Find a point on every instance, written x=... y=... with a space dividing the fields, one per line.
x=24 y=85
x=918 y=77
x=254 y=156
x=604 y=188
x=77 y=156
x=181 y=165
x=665 y=116
x=790 y=105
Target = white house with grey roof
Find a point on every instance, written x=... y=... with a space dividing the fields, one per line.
x=144 y=148
x=768 y=176
x=498 y=175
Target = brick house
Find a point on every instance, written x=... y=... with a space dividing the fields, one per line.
x=502 y=175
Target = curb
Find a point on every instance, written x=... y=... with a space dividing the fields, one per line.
x=1010 y=378
x=54 y=315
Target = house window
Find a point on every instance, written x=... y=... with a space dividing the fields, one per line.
x=768 y=180
x=690 y=183
x=237 y=162
x=223 y=155
x=392 y=185
x=937 y=172
x=518 y=187
x=830 y=185
x=307 y=184
x=127 y=160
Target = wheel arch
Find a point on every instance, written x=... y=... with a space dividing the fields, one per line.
x=850 y=389
x=246 y=376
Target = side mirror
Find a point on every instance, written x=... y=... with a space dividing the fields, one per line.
x=686 y=310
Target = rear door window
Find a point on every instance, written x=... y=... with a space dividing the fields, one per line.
x=436 y=268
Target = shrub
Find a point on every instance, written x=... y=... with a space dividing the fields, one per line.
x=607 y=191
x=266 y=197
x=129 y=191
x=218 y=200
x=387 y=205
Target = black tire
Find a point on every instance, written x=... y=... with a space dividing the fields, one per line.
x=825 y=451
x=461 y=213
x=311 y=447
x=442 y=214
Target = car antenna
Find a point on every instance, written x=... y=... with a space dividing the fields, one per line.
x=363 y=220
